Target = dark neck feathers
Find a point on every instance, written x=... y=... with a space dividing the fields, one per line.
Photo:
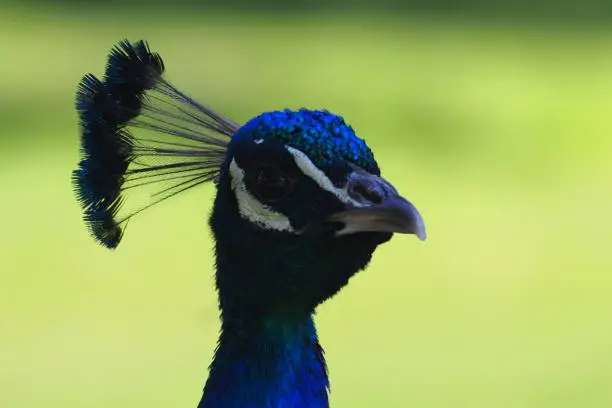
x=269 y=285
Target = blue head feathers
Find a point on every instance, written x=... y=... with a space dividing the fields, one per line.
x=324 y=137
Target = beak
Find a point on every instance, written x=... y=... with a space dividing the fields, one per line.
x=377 y=207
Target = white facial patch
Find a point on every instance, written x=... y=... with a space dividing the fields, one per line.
x=252 y=209
x=309 y=169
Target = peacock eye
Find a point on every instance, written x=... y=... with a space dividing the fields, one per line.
x=270 y=184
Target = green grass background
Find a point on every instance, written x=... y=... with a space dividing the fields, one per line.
x=499 y=132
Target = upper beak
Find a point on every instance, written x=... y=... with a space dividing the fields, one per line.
x=378 y=207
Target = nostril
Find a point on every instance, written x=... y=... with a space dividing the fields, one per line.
x=368 y=192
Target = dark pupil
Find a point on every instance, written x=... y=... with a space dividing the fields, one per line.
x=271 y=184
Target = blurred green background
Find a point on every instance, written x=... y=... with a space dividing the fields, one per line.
x=497 y=128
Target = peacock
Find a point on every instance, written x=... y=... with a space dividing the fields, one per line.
x=300 y=207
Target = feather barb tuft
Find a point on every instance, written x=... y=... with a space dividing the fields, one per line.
x=137 y=129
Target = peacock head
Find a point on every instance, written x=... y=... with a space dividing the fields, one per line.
x=300 y=204
x=300 y=208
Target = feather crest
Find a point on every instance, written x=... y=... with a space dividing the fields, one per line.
x=138 y=130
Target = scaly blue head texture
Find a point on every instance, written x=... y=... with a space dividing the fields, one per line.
x=300 y=208
x=324 y=137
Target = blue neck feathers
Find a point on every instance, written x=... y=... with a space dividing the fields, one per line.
x=270 y=363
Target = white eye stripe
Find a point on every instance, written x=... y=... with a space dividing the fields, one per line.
x=255 y=211
x=252 y=209
x=309 y=169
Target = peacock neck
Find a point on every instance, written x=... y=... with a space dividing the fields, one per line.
x=267 y=363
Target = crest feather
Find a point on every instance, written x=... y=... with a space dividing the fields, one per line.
x=137 y=129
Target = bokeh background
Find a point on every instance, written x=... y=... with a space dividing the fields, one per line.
x=494 y=118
